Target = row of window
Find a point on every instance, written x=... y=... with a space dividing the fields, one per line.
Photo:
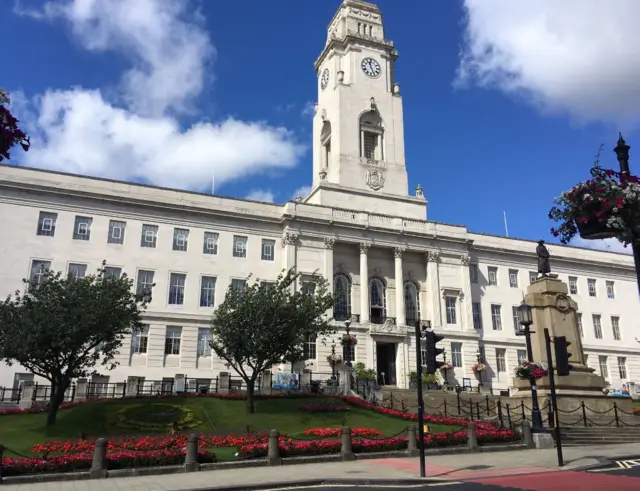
x=47 y=222
x=514 y=282
x=597 y=326
x=603 y=365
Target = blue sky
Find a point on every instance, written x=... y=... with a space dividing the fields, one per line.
x=157 y=90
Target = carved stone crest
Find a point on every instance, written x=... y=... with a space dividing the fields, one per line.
x=563 y=304
x=374 y=179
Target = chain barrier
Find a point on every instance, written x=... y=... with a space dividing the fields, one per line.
x=593 y=423
x=572 y=410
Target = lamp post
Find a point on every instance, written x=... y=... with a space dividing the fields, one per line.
x=333 y=364
x=421 y=331
x=444 y=355
x=478 y=358
x=622 y=154
x=526 y=319
x=347 y=352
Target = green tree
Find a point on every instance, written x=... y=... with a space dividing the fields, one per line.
x=62 y=327
x=265 y=324
x=10 y=134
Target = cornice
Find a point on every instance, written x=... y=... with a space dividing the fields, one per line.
x=381 y=45
x=180 y=317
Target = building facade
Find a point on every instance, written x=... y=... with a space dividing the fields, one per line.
x=359 y=227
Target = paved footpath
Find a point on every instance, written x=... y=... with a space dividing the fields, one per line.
x=536 y=468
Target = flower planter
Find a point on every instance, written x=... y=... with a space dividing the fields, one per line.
x=594 y=228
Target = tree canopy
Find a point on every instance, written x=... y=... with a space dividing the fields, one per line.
x=10 y=134
x=62 y=327
x=265 y=324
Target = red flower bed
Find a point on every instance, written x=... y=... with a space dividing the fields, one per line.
x=82 y=461
x=636 y=411
x=329 y=432
x=323 y=408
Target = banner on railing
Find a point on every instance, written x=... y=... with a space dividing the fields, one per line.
x=286 y=380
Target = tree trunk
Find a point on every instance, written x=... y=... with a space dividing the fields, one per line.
x=250 y=392
x=55 y=400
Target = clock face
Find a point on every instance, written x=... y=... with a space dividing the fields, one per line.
x=371 y=67
x=325 y=79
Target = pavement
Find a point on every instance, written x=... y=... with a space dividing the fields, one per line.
x=534 y=470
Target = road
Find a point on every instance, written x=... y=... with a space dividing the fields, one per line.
x=629 y=466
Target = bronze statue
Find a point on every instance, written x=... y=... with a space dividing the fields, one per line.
x=544 y=267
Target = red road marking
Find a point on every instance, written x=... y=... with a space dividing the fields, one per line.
x=566 y=481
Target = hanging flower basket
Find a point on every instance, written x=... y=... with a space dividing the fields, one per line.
x=334 y=359
x=348 y=340
x=603 y=207
x=529 y=369
x=446 y=366
x=479 y=367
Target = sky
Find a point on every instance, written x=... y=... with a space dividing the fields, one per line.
x=505 y=103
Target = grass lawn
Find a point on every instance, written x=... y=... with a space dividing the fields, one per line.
x=20 y=432
x=636 y=403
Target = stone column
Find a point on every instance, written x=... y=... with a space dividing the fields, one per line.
x=433 y=288
x=364 y=283
x=466 y=307
x=224 y=383
x=328 y=267
x=400 y=317
x=289 y=252
x=82 y=385
x=26 y=397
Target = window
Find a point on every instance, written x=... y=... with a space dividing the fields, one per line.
x=268 y=249
x=172 y=341
x=473 y=273
x=456 y=354
x=38 y=270
x=516 y=318
x=493 y=275
x=149 y=237
x=522 y=356
x=204 y=341
x=610 y=291
x=496 y=317
x=370 y=144
x=586 y=360
x=592 y=287
x=477 y=315
x=82 y=228
x=371 y=134
x=180 y=239
x=513 y=278
x=308 y=288
x=349 y=353
x=239 y=246
x=604 y=369
x=210 y=245
x=573 y=285
x=501 y=360
x=112 y=272
x=622 y=367
x=615 y=327
x=377 y=301
x=411 y=303
x=77 y=270
x=272 y=284
x=342 y=295
x=450 y=303
x=47 y=224
x=238 y=284
x=176 y=288
x=144 y=283
x=207 y=291
x=579 y=320
x=309 y=351
x=116 y=232
x=532 y=277
x=140 y=340
x=597 y=326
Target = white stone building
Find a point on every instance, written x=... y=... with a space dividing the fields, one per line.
x=359 y=227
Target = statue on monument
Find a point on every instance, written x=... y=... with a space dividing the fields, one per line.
x=544 y=267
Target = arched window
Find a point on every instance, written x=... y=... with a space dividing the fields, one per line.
x=377 y=300
x=411 y=303
x=371 y=136
x=342 y=293
x=325 y=145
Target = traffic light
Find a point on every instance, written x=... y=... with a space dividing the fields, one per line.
x=563 y=367
x=433 y=351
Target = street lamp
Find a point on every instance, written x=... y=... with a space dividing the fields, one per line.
x=421 y=332
x=526 y=319
x=347 y=352
x=444 y=355
x=478 y=360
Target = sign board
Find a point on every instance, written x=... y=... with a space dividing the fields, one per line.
x=286 y=380
x=425 y=429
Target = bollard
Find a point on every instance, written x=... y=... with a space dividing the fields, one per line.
x=346 y=451
x=527 y=435
x=472 y=437
x=412 y=441
x=2 y=449
x=99 y=463
x=191 y=459
x=273 y=450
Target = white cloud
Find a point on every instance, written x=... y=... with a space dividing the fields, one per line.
x=580 y=57
x=136 y=133
x=263 y=195
x=301 y=191
x=609 y=245
x=308 y=109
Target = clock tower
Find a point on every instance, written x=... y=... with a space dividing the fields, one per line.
x=358 y=131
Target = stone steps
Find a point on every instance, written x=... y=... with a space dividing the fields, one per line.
x=577 y=436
